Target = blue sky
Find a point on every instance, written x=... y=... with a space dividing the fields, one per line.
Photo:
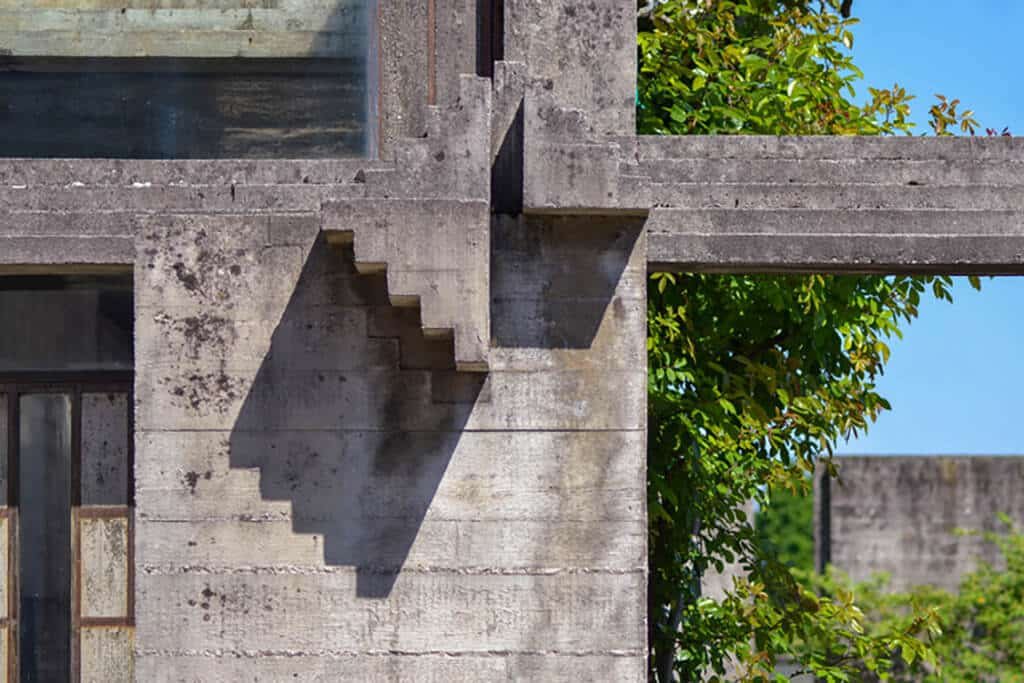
x=969 y=50
x=956 y=380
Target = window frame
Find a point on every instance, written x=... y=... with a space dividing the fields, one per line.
x=13 y=385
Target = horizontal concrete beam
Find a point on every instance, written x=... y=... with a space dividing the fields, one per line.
x=21 y=254
x=142 y=173
x=184 y=43
x=444 y=667
x=749 y=203
x=465 y=613
x=189 y=28
x=837 y=240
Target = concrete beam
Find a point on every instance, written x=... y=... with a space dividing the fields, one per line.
x=952 y=205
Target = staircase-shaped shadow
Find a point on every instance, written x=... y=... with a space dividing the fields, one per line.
x=353 y=417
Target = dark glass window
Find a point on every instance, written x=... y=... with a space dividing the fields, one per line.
x=66 y=323
x=66 y=518
x=187 y=78
x=44 y=534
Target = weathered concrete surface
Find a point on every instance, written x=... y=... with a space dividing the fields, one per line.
x=435 y=195
x=333 y=506
x=321 y=493
x=583 y=55
x=185 y=28
x=435 y=255
x=752 y=203
x=898 y=514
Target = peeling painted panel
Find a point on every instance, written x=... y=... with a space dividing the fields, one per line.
x=106 y=654
x=4 y=435
x=4 y=641
x=105 y=449
x=4 y=564
x=104 y=558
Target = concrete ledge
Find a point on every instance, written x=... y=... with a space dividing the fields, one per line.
x=51 y=252
x=837 y=241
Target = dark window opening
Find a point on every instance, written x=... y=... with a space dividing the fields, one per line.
x=44 y=533
x=195 y=79
x=66 y=520
x=66 y=323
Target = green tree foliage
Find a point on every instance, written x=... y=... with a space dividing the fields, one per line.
x=979 y=630
x=753 y=379
x=785 y=528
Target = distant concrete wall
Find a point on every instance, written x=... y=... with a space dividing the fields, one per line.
x=898 y=515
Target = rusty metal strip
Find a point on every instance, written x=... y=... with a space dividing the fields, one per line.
x=9 y=515
x=104 y=512
x=76 y=595
x=13 y=436
x=76 y=533
x=106 y=622
x=98 y=380
x=130 y=574
x=130 y=497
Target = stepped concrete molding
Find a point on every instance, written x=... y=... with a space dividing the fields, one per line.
x=390 y=414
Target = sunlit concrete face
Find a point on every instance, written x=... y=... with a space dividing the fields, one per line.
x=389 y=415
x=187 y=78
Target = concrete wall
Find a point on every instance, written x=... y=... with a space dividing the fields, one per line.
x=898 y=514
x=320 y=495
x=309 y=507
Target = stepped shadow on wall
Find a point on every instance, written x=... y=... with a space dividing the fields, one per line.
x=354 y=432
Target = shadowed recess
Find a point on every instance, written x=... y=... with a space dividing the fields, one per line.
x=554 y=278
